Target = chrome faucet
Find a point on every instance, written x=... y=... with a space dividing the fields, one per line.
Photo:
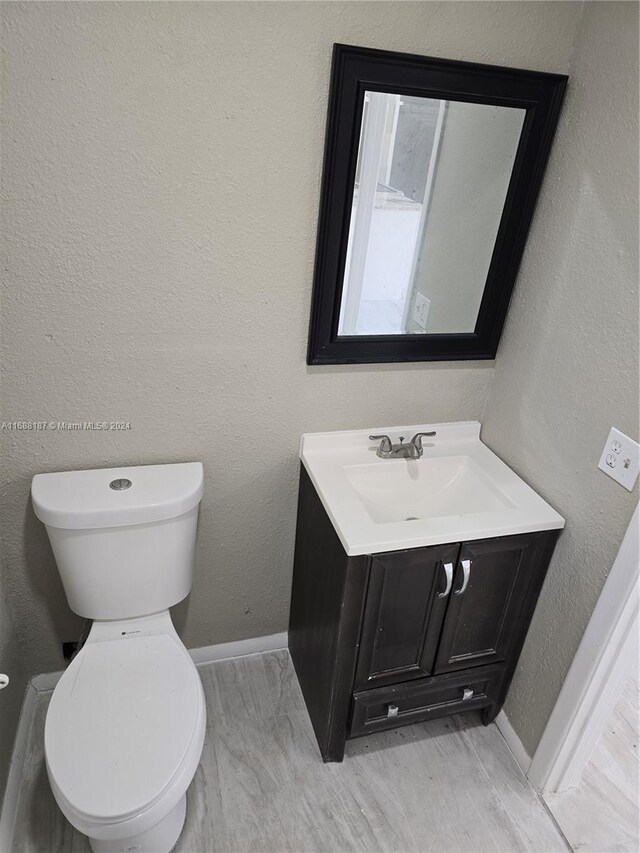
x=412 y=450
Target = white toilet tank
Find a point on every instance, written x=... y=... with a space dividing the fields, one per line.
x=123 y=538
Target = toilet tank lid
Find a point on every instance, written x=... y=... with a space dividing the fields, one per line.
x=116 y=497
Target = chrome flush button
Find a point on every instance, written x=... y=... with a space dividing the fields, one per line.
x=119 y=485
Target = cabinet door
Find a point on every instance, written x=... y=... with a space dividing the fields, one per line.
x=405 y=605
x=491 y=583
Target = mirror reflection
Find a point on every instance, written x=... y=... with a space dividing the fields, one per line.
x=431 y=181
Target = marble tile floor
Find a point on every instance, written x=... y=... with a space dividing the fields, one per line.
x=446 y=786
x=601 y=814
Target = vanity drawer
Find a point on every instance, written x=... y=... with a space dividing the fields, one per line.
x=389 y=707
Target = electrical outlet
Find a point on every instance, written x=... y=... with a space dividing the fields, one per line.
x=421 y=310
x=620 y=458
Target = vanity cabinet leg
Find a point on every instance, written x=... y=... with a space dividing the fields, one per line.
x=489 y=714
x=334 y=752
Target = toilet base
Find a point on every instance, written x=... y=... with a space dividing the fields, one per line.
x=161 y=838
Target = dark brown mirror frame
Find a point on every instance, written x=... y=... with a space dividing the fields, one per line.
x=356 y=69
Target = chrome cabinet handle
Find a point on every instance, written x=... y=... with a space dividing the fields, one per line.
x=448 y=570
x=466 y=572
x=392 y=710
x=467 y=693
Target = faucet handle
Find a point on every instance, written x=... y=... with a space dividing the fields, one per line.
x=385 y=442
x=417 y=439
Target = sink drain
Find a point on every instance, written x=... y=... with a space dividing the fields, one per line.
x=411 y=518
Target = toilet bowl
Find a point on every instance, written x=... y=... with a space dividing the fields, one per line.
x=125 y=726
x=124 y=735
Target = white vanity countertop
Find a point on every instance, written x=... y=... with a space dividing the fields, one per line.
x=459 y=489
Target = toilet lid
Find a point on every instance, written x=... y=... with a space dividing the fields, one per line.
x=120 y=723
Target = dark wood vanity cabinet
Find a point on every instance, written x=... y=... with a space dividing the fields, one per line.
x=384 y=640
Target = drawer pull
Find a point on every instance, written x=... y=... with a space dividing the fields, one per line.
x=448 y=570
x=392 y=710
x=467 y=693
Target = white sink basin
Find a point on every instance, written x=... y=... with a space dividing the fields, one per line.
x=408 y=490
x=459 y=490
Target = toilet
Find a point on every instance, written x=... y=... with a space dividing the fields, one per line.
x=125 y=726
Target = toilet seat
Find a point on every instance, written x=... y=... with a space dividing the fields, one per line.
x=125 y=725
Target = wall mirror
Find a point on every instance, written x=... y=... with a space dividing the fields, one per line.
x=431 y=173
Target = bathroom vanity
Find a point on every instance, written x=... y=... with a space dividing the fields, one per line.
x=415 y=580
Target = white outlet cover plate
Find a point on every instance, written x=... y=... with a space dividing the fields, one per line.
x=620 y=458
x=421 y=310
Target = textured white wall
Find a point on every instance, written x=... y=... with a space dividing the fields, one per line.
x=161 y=173
x=567 y=367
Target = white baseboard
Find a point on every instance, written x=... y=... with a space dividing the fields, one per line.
x=513 y=742
x=16 y=767
x=46 y=682
x=239 y=649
